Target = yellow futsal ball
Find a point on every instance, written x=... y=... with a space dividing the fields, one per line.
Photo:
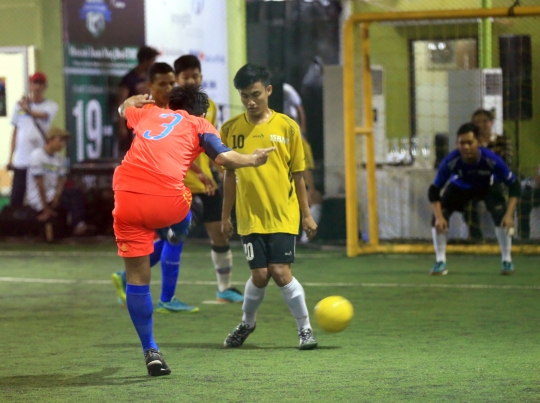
x=334 y=313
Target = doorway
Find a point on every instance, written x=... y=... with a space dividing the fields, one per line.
x=16 y=63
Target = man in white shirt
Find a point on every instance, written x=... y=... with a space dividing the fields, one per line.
x=46 y=177
x=32 y=118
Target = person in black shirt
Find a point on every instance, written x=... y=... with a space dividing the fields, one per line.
x=134 y=83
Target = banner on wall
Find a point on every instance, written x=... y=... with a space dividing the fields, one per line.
x=101 y=40
x=197 y=27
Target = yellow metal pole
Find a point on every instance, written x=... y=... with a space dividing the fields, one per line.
x=484 y=37
x=350 y=139
x=370 y=141
x=446 y=14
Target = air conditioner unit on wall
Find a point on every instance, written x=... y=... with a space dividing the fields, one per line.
x=469 y=90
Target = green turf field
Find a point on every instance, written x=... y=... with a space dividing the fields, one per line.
x=472 y=336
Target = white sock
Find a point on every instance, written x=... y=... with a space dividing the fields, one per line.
x=253 y=296
x=293 y=294
x=505 y=242
x=223 y=265
x=439 y=243
x=316 y=212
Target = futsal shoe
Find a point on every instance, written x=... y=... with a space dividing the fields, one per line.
x=175 y=306
x=507 y=268
x=439 y=269
x=230 y=295
x=120 y=283
x=307 y=339
x=238 y=336
x=155 y=364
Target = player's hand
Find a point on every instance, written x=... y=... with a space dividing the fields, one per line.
x=227 y=228
x=261 y=155
x=508 y=224
x=441 y=225
x=209 y=186
x=46 y=214
x=138 y=101
x=310 y=227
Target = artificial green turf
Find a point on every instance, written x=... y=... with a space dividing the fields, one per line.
x=415 y=342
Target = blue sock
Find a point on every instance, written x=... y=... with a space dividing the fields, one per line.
x=156 y=254
x=140 y=307
x=170 y=269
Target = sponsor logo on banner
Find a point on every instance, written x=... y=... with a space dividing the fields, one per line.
x=96 y=13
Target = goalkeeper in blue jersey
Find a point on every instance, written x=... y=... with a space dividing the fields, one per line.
x=472 y=171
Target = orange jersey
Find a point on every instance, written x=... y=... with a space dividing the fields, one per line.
x=166 y=143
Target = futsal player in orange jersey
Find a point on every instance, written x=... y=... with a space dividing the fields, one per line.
x=150 y=194
x=161 y=82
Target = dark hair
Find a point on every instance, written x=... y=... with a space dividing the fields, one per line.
x=469 y=127
x=159 y=68
x=483 y=112
x=146 y=53
x=251 y=74
x=189 y=98
x=186 y=62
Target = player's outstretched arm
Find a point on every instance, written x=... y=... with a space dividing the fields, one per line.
x=229 y=197
x=308 y=223
x=441 y=225
x=138 y=101
x=508 y=220
x=434 y=195
x=233 y=160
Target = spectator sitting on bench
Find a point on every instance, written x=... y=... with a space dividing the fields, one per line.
x=45 y=183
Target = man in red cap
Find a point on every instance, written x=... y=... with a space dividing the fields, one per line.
x=31 y=119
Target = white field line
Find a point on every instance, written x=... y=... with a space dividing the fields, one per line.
x=305 y=284
x=301 y=255
x=30 y=254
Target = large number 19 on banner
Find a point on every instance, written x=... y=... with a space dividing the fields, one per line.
x=88 y=117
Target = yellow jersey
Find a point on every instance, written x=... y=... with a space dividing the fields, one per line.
x=192 y=181
x=266 y=201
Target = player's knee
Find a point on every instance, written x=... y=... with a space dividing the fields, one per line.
x=281 y=274
x=260 y=277
x=176 y=238
x=217 y=237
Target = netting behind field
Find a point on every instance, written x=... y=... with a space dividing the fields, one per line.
x=428 y=78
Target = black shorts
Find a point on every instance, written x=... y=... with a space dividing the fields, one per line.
x=455 y=198
x=262 y=249
x=207 y=208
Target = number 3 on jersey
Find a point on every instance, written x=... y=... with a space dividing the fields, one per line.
x=177 y=118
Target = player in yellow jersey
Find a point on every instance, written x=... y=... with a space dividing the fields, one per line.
x=188 y=71
x=268 y=203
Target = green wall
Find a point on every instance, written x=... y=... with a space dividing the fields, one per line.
x=389 y=48
x=38 y=23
